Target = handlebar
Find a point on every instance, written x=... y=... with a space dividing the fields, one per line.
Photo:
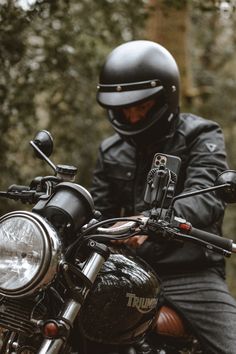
x=178 y=229
x=216 y=240
x=22 y=193
x=31 y=194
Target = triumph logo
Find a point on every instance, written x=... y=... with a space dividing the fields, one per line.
x=142 y=304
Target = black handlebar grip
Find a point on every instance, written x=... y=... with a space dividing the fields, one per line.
x=213 y=239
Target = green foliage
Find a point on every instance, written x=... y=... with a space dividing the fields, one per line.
x=214 y=70
x=203 y=5
x=213 y=45
x=50 y=60
x=178 y=4
x=212 y=5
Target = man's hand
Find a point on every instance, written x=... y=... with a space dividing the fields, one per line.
x=134 y=241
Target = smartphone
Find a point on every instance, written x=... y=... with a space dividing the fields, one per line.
x=169 y=161
x=162 y=180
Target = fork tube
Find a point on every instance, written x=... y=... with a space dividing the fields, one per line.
x=72 y=307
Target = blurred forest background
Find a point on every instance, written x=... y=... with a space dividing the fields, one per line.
x=51 y=52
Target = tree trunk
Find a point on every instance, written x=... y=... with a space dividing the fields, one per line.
x=169 y=26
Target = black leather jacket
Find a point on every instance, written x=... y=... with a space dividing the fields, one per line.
x=120 y=179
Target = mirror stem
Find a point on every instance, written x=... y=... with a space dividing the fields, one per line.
x=199 y=191
x=43 y=156
x=190 y=194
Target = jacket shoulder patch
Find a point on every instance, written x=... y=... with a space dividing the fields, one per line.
x=211 y=147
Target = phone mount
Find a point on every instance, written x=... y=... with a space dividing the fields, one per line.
x=161 y=181
x=160 y=187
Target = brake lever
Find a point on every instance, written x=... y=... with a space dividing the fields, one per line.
x=4 y=194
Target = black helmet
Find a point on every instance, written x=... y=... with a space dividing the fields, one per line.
x=133 y=73
x=123 y=302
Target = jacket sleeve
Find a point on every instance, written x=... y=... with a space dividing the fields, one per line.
x=101 y=191
x=206 y=159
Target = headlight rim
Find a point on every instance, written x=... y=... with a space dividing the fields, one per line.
x=51 y=249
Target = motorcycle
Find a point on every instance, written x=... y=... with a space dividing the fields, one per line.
x=65 y=290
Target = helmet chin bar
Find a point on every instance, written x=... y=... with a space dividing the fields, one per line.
x=145 y=132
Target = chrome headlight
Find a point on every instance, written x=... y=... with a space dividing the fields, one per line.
x=30 y=252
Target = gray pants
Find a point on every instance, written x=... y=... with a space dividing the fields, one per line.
x=203 y=299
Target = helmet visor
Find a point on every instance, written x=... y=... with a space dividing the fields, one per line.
x=119 y=95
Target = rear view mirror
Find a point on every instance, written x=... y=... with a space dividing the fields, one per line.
x=43 y=140
x=43 y=147
x=228 y=193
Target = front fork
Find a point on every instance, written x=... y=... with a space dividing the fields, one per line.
x=72 y=307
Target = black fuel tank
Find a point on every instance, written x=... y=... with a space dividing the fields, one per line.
x=123 y=301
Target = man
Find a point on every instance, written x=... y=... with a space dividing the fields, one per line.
x=139 y=88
